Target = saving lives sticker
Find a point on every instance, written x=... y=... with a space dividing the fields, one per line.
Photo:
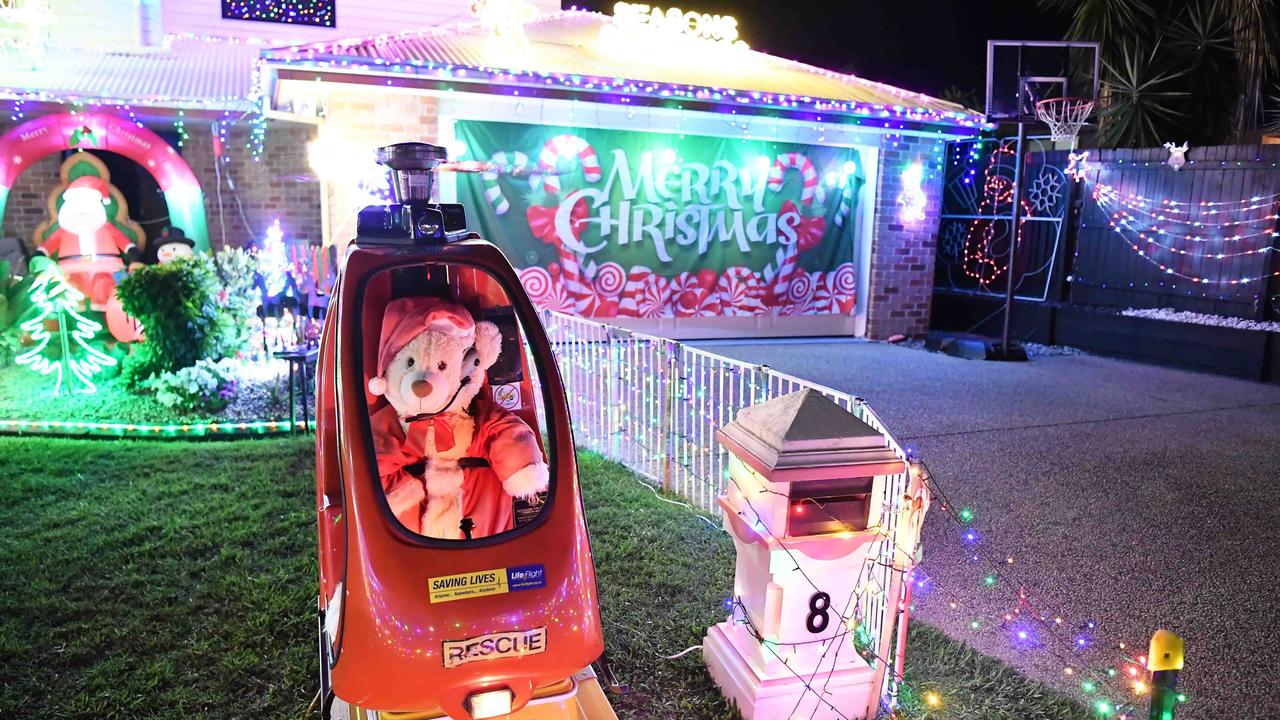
x=486 y=582
x=495 y=645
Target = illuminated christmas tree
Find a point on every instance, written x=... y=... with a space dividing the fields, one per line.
x=273 y=261
x=66 y=350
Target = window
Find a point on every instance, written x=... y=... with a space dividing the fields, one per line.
x=319 y=13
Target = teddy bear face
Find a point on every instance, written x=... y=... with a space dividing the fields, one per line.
x=438 y=373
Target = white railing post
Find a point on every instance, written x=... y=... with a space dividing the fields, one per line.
x=614 y=390
x=666 y=392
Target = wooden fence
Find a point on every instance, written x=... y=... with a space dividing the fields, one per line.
x=1132 y=232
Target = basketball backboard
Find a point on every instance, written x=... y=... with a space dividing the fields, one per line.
x=1021 y=73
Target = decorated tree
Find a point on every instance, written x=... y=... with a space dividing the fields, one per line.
x=273 y=261
x=64 y=340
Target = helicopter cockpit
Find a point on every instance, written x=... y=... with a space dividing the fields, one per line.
x=455 y=567
x=456 y=420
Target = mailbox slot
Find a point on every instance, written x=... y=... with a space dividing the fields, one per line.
x=818 y=507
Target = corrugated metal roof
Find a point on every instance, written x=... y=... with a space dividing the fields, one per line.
x=568 y=45
x=210 y=74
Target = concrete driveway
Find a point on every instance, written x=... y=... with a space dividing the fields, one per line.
x=1129 y=495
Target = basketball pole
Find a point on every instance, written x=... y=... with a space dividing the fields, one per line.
x=1014 y=233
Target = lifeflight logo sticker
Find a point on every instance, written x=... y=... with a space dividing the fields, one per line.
x=486 y=582
x=493 y=646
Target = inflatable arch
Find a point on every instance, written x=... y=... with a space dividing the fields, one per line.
x=42 y=136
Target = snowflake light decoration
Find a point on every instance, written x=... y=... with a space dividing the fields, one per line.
x=1045 y=192
x=953 y=239
x=1077 y=165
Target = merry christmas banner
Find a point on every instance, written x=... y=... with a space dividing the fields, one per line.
x=608 y=223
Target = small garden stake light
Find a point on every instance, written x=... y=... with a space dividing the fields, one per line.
x=1164 y=661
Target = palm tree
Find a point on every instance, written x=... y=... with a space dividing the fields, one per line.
x=1255 y=28
x=1194 y=70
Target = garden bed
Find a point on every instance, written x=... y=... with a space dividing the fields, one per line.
x=260 y=405
x=1225 y=347
x=134 y=586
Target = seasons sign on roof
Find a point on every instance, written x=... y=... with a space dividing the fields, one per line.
x=637 y=224
x=718 y=28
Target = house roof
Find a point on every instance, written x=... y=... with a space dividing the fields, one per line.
x=586 y=52
x=212 y=74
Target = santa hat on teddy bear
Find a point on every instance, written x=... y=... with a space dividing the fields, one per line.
x=406 y=318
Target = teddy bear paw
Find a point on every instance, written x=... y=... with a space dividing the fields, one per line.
x=527 y=481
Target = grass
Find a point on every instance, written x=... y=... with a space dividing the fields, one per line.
x=149 y=580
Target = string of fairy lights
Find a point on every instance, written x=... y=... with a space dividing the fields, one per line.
x=1194 y=246
x=1116 y=682
x=1144 y=225
x=1095 y=678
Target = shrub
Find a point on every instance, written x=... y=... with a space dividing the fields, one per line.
x=192 y=309
x=177 y=305
x=15 y=304
x=207 y=387
x=237 y=301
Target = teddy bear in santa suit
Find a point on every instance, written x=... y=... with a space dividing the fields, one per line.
x=88 y=248
x=476 y=456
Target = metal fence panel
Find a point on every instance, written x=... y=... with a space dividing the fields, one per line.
x=654 y=405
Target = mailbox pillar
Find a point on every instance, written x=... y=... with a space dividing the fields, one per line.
x=804 y=503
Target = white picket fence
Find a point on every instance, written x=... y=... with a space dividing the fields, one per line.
x=653 y=404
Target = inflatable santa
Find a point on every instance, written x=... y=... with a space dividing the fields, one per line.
x=87 y=246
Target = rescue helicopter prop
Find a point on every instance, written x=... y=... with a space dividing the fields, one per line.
x=414 y=627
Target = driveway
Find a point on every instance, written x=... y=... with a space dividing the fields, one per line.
x=1129 y=495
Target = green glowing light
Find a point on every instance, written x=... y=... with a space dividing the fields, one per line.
x=966 y=515
x=1104 y=707
x=1182 y=697
x=66 y=353
x=140 y=430
x=989 y=580
x=974 y=624
x=1088 y=686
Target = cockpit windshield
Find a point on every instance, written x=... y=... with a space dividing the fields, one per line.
x=454 y=403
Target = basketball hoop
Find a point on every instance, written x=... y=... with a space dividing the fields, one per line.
x=1064 y=116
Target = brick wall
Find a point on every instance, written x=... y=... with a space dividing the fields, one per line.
x=902 y=253
x=26 y=207
x=359 y=119
x=279 y=185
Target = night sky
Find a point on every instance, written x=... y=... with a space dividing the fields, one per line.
x=923 y=45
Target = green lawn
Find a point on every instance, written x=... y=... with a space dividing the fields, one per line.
x=143 y=580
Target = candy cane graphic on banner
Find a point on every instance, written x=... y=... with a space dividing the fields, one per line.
x=580 y=289
x=501 y=162
x=568 y=146
x=778 y=272
x=811 y=189
x=846 y=200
